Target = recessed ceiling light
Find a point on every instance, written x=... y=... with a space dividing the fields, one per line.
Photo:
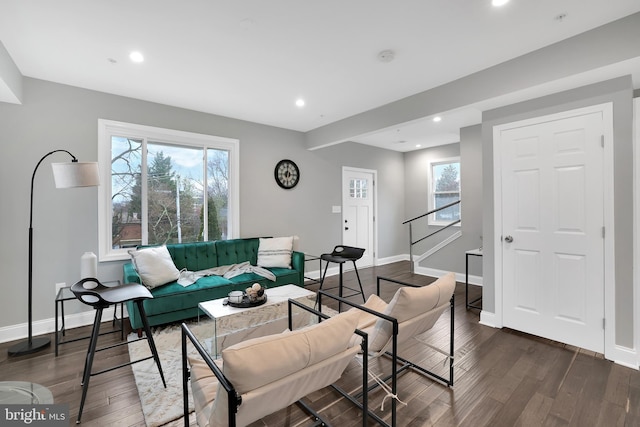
x=136 y=57
x=300 y=102
x=418 y=145
x=437 y=119
x=561 y=17
x=386 y=55
x=499 y=2
x=247 y=23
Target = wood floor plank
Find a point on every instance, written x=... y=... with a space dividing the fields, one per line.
x=536 y=411
x=567 y=400
x=483 y=413
x=617 y=388
x=611 y=415
x=516 y=404
x=588 y=408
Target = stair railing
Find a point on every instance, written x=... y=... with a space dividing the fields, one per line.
x=410 y=222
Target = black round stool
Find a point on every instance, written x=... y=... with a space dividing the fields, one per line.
x=340 y=255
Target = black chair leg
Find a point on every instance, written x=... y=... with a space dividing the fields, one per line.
x=321 y=283
x=340 y=290
x=323 y=276
x=152 y=344
x=359 y=282
x=86 y=374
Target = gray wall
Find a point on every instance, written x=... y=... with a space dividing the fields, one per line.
x=390 y=190
x=65 y=222
x=451 y=257
x=620 y=92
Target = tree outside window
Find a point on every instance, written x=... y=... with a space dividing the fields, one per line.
x=445 y=185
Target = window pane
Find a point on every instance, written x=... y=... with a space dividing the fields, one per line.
x=447 y=177
x=126 y=226
x=174 y=193
x=449 y=214
x=358 y=188
x=445 y=190
x=217 y=194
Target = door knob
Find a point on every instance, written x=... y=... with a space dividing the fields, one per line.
x=508 y=239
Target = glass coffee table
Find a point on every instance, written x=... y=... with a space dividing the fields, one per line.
x=231 y=325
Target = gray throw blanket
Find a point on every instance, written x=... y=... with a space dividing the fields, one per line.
x=227 y=271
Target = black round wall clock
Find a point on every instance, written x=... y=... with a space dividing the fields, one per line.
x=287 y=174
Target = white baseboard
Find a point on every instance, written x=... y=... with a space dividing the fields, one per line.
x=392 y=259
x=460 y=277
x=624 y=356
x=316 y=274
x=488 y=319
x=47 y=326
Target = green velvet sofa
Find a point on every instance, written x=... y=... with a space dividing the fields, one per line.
x=173 y=302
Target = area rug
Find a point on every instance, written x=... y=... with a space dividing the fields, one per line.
x=161 y=406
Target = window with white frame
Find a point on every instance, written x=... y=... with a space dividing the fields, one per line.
x=162 y=186
x=444 y=189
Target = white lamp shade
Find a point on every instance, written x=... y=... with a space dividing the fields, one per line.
x=76 y=174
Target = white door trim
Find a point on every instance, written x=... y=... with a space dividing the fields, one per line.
x=609 y=239
x=636 y=227
x=374 y=173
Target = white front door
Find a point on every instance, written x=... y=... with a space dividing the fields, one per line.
x=358 y=202
x=552 y=229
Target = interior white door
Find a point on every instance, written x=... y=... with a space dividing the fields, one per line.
x=552 y=230
x=358 y=201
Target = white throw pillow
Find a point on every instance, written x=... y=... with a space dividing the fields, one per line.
x=154 y=266
x=275 y=252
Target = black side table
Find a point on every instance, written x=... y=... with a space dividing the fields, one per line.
x=309 y=257
x=65 y=294
x=470 y=304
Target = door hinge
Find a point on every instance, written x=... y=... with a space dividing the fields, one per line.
x=603 y=323
x=603 y=232
x=602 y=141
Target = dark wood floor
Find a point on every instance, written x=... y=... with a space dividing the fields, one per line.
x=502 y=378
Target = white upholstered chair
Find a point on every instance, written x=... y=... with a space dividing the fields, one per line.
x=263 y=375
x=412 y=311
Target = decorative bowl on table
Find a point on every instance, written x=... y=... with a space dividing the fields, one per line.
x=251 y=297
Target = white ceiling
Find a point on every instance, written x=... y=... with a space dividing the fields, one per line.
x=252 y=59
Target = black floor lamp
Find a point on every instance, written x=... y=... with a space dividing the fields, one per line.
x=66 y=175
